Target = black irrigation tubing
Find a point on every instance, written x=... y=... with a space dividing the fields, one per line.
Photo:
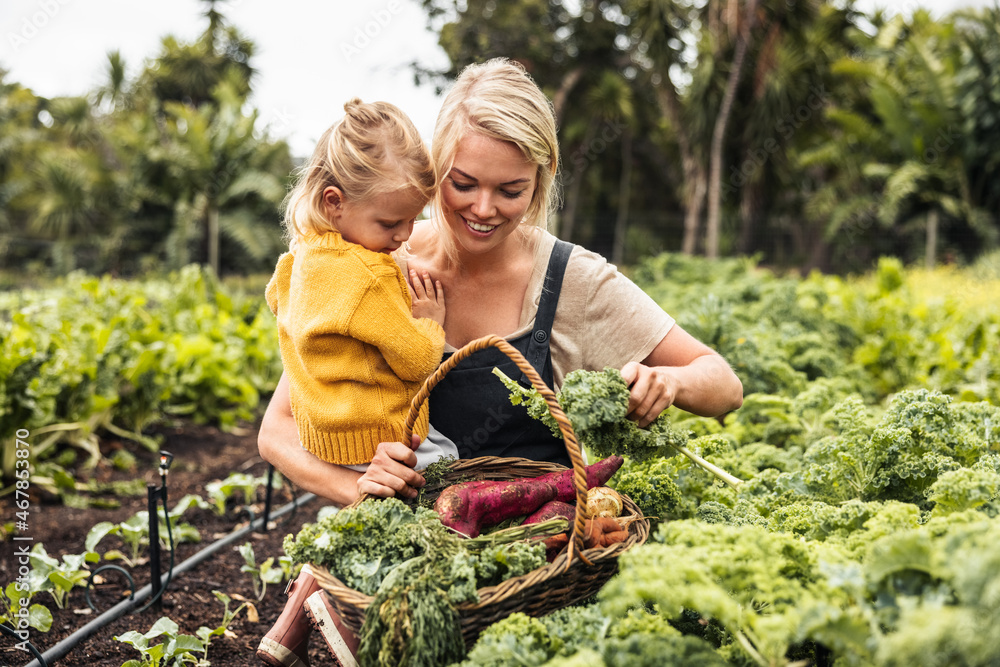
x=10 y=632
x=69 y=643
x=90 y=583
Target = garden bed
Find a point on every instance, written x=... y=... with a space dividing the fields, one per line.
x=202 y=455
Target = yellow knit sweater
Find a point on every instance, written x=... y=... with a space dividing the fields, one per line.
x=353 y=353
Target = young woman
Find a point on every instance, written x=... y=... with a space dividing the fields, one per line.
x=563 y=307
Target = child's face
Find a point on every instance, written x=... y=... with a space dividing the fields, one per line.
x=381 y=224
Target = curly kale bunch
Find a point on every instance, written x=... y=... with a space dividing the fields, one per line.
x=360 y=545
x=651 y=485
x=585 y=636
x=522 y=640
x=417 y=571
x=413 y=618
x=596 y=403
x=921 y=436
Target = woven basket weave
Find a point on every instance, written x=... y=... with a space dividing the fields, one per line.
x=575 y=575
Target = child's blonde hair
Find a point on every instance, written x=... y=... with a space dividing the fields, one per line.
x=373 y=150
x=500 y=100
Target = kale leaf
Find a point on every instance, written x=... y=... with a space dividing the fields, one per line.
x=596 y=403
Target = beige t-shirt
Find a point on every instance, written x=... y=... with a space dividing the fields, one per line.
x=602 y=319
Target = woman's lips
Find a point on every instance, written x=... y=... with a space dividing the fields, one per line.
x=479 y=228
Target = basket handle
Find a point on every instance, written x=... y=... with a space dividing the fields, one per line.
x=565 y=428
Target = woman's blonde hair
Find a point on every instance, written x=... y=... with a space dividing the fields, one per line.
x=500 y=100
x=373 y=150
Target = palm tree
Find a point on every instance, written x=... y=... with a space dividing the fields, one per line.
x=660 y=43
x=978 y=33
x=212 y=156
x=19 y=143
x=604 y=112
x=75 y=191
x=743 y=28
x=894 y=158
x=788 y=89
x=113 y=91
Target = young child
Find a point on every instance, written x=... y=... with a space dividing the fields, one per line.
x=355 y=346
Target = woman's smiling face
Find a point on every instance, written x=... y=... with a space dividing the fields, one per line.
x=487 y=191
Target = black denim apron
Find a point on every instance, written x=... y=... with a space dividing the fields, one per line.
x=472 y=406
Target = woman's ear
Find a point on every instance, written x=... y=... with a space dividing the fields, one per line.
x=333 y=201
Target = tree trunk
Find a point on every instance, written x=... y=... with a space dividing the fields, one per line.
x=213 y=238
x=719 y=133
x=567 y=218
x=930 y=251
x=624 y=192
x=566 y=86
x=696 y=184
x=733 y=17
x=751 y=204
x=694 y=172
x=818 y=254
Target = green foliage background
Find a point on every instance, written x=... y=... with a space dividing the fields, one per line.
x=91 y=356
x=863 y=532
x=850 y=135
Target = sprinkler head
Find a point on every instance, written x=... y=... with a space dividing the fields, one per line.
x=166 y=458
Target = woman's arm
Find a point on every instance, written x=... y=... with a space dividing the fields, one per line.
x=684 y=372
x=390 y=473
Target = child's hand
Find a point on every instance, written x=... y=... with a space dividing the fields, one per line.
x=428 y=297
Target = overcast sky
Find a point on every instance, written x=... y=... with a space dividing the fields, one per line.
x=311 y=55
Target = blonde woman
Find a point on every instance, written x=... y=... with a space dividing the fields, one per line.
x=561 y=306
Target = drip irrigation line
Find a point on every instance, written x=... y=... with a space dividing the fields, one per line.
x=9 y=631
x=170 y=536
x=69 y=643
x=90 y=582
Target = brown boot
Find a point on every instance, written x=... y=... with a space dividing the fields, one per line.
x=340 y=640
x=287 y=642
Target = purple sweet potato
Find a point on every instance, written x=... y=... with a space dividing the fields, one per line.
x=550 y=510
x=470 y=507
x=598 y=474
x=470 y=510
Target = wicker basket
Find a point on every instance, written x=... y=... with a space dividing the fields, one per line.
x=573 y=576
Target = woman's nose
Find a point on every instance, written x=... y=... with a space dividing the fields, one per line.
x=483 y=207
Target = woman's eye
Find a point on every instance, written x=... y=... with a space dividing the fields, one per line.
x=512 y=195
x=462 y=187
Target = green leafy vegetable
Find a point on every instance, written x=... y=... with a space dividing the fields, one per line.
x=921 y=436
x=596 y=403
x=361 y=545
x=175 y=649
x=417 y=571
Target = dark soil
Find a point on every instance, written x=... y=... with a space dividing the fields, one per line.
x=202 y=454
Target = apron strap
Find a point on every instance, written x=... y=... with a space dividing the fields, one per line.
x=538 y=347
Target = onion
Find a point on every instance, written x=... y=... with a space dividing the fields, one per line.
x=603 y=501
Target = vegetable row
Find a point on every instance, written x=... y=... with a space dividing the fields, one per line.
x=94 y=356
